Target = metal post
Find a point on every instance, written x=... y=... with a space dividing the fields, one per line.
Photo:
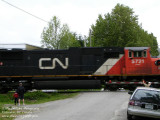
x=90 y=36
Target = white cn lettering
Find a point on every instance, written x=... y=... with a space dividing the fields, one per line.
x=54 y=60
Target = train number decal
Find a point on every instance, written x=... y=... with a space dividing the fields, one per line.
x=137 y=61
x=53 y=66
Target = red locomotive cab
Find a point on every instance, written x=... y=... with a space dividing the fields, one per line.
x=137 y=61
x=155 y=66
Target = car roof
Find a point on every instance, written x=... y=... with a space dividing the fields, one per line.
x=148 y=88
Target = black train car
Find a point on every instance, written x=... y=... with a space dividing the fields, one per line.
x=54 y=69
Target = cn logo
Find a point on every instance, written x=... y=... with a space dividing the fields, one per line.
x=54 y=60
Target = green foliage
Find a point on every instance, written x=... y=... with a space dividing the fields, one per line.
x=1 y=108
x=36 y=95
x=120 y=28
x=50 y=34
x=6 y=98
x=67 y=39
x=40 y=97
x=57 y=37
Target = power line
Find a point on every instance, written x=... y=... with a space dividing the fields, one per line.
x=24 y=11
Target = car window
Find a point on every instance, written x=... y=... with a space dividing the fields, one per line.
x=149 y=96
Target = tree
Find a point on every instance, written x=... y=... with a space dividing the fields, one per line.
x=57 y=37
x=50 y=34
x=120 y=28
x=68 y=39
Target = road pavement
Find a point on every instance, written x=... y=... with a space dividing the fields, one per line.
x=85 y=106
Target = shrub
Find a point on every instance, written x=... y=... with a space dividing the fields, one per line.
x=6 y=98
x=0 y=108
x=36 y=95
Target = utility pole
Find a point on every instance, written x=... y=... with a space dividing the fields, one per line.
x=90 y=33
x=85 y=40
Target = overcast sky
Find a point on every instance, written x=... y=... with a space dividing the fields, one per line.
x=19 y=27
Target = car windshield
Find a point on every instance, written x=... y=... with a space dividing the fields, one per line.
x=149 y=96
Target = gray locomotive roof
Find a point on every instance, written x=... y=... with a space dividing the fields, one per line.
x=136 y=48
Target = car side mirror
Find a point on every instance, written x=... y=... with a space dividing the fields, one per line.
x=130 y=92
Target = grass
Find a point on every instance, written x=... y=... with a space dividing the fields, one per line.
x=6 y=98
x=40 y=97
x=80 y=90
x=30 y=98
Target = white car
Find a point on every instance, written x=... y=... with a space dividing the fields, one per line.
x=144 y=102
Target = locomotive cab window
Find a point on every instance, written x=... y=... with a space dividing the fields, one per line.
x=144 y=54
x=137 y=53
x=140 y=54
x=130 y=54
